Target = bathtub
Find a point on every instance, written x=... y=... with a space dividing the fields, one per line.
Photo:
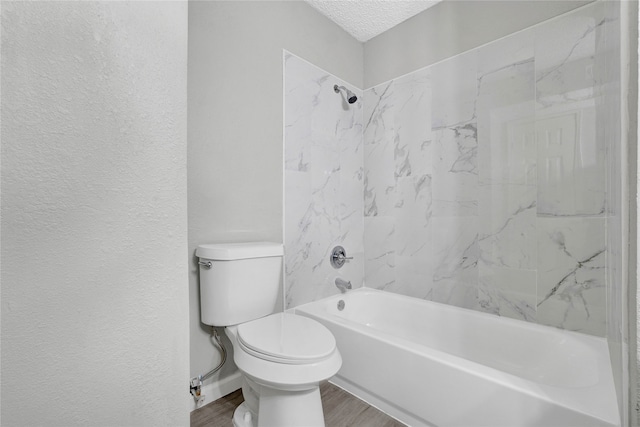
x=430 y=364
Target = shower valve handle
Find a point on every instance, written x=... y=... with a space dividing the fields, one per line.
x=339 y=257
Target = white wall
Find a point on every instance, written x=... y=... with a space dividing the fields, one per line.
x=450 y=28
x=235 y=169
x=94 y=220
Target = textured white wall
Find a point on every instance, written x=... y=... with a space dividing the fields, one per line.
x=94 y=221
x=235 y=124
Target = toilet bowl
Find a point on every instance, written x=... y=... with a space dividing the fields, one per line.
x=283 y=357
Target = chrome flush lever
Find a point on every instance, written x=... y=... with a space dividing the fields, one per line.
x=338 y=257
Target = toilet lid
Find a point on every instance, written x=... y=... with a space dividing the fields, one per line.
x=286 y=338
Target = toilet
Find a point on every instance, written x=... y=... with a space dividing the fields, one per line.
x=283 y=357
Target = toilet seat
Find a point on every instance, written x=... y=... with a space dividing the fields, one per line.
x=277 y=373
x=286 y=338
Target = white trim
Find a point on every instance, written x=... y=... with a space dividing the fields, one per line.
x=217 y=389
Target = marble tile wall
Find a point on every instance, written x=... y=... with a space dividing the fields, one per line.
x=323 y=180
x=485 y=176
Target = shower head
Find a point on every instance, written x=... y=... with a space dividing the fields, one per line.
x=351 y=97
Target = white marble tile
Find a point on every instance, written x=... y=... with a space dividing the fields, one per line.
x=454 y=136
x=570 y=164
x=398 y=184
x=455 y=260
x=571 y=274
x=455 y=172
x=298 y=227
x=379 y=148
x=506 y=111
x=564 y=56
x=507 y=174
x=508 y=151
x=504 y=53
x=397 y=138
x=454 y=91
x=413 y=207
x=413 y=238
x=379 y=179
x=413 y=276
x=571 y=172
x=507 y=226
x=506 y=292
x=309 y=231
x=412 y=100
x=459 y=293
x=379 y=238
x=378 y=113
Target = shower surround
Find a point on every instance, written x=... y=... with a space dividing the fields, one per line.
x=480 y=183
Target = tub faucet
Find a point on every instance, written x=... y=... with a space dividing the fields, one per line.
x=343 y=285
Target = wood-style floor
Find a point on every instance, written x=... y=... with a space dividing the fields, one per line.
x=341 y=409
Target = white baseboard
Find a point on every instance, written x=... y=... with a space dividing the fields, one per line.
x=217 y=389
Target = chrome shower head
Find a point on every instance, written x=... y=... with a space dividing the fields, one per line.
x=351 y=97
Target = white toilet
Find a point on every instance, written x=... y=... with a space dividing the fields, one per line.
x=283 y=357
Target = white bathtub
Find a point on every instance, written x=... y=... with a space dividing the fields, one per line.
x=429 y=364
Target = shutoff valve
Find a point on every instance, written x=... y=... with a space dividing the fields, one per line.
x=195 y=388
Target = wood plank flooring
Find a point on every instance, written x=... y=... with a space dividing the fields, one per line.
x=341 y=409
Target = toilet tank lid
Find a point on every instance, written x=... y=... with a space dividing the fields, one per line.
x=233 y=251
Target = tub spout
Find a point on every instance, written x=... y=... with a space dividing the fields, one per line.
x=343 y=285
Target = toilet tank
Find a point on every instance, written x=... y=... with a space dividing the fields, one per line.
x=238 y=281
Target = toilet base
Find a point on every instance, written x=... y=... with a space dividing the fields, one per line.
x=280 y=408
x=269 y=407
x=242 y=416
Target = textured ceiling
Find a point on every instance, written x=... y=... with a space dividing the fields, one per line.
x=365 y=19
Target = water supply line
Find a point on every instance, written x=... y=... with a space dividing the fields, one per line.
x=195 y=386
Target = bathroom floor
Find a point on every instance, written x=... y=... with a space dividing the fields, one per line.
x=341 y=409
